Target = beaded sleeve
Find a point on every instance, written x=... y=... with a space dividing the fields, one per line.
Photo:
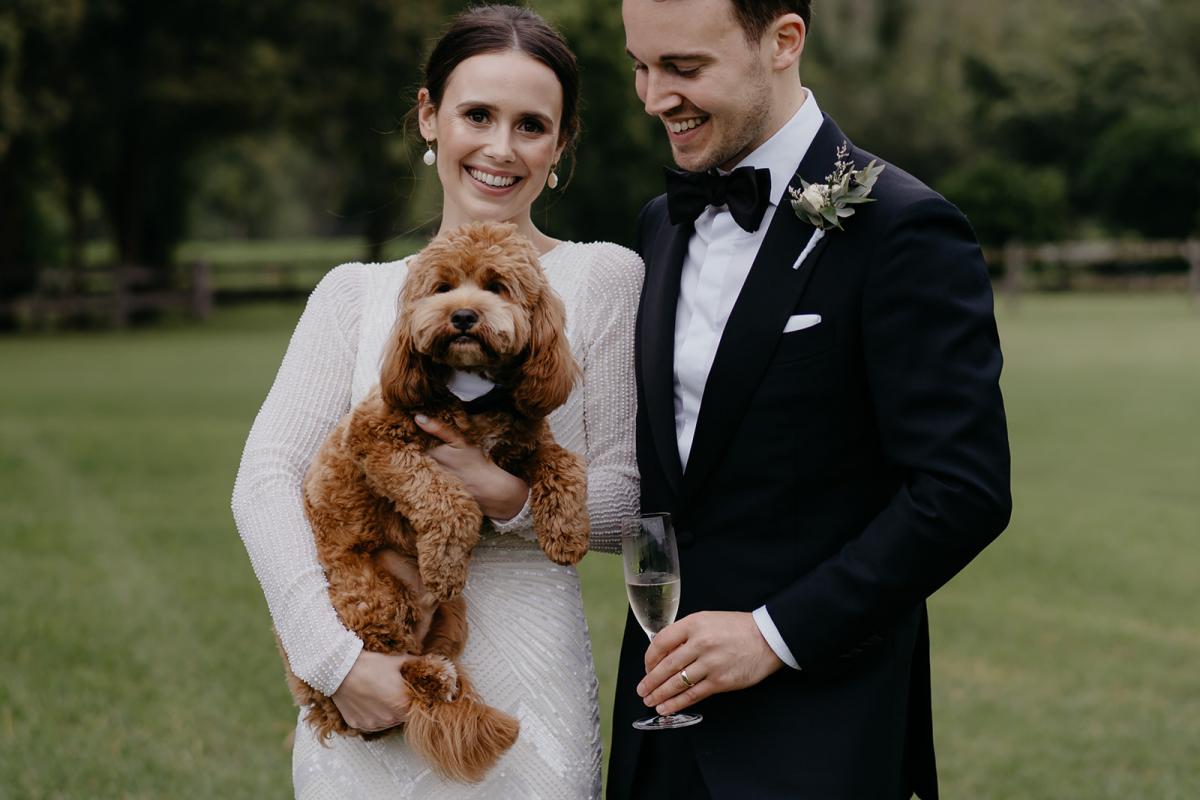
x=310 y=394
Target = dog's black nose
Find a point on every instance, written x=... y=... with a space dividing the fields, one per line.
x=464 y=319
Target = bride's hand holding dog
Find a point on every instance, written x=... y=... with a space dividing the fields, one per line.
x=500 y=494
x=373 y=696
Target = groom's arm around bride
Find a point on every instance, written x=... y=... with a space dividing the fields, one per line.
x=827 y=431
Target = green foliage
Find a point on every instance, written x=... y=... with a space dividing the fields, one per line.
x=32 y=226
x=1008 y=201
x=888 y=72
x=1144 y=173
x=1041 y=102
x=31 y=109
x=265 y=117
x=353 y=79
x=253 y=187
x=1082 y=92
x=122 y=95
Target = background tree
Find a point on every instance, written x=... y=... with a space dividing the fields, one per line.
x=287 y=118
x=353 y=81
x=1007 y=201
x=1144 y=173
x=33 y=106
x=1087 y=92
x=136 y=89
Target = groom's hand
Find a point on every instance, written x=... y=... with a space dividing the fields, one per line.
x=721 y=651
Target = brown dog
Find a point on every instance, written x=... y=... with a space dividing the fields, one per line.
x=475 y=300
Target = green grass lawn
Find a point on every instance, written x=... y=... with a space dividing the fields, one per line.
x=136 y=658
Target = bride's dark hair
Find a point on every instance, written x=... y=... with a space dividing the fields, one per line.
x=494 y=29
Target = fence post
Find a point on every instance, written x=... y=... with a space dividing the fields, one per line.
x=1191 y=252
x=1014 y=268
x=202 y=293
x=120 y=296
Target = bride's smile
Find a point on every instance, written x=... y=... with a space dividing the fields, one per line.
x=494 y=181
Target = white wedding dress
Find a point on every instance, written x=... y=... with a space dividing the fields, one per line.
x=528 y=650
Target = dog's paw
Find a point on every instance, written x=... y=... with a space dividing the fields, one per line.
x=565 y=549
x=432 y=677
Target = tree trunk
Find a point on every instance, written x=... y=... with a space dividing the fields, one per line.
x=376 y=231
x=76 y=235
x=18 y=256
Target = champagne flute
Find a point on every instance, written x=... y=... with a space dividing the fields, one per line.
x=652 y=581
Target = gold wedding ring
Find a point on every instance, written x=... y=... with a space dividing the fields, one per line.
x=686 y=681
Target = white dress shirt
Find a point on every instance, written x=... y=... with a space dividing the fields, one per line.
x=719 y=256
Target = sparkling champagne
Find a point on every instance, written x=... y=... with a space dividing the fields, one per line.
x=654 y=598
x=652 y=580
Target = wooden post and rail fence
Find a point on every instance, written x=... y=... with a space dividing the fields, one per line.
x=1018 y=259
x=127 y=291
x=122 y=293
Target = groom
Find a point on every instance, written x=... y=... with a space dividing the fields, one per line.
x=821 y=415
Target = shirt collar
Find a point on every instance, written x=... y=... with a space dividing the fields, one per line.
x=787 y=147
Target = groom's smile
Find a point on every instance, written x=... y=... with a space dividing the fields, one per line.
x=680 y=128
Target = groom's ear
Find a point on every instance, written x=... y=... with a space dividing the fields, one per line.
x=787 y=36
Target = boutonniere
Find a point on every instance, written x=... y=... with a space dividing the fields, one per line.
x=825 y=205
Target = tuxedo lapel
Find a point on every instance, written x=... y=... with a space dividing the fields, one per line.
x=756 y=322
x=657 y=332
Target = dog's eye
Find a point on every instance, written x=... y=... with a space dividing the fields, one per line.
x=495 y=287
x=442 y=288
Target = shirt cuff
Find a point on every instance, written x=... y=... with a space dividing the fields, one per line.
x=522 y=521
x=766 y=627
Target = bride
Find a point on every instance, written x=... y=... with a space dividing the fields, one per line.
x=498 y=110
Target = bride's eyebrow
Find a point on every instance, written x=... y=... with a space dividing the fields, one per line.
x=468 y=105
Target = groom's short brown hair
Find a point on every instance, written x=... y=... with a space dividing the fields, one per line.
x=755 y=16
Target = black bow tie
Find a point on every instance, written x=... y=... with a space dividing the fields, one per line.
x=746 y=190
x=496 y=398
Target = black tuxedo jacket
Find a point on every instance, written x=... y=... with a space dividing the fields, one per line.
x=839 y=474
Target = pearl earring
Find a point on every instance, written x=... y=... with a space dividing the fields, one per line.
x=552 y=178
x=430 y=157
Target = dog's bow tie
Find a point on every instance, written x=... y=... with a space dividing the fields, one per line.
x=467 y=386
x=477 y=393
x=746 y=190
x=498 y=398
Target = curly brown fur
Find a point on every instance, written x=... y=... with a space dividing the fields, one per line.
x=450 y=725
x=374 y=496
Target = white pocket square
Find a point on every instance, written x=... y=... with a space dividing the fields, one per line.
x=799 y=322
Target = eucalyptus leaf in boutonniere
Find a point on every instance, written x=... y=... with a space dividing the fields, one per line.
x=825 y=205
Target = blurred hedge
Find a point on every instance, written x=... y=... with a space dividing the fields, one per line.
x=146 y=123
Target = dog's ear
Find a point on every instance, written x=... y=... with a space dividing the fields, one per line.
x=549 y=371
x=405 y=379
